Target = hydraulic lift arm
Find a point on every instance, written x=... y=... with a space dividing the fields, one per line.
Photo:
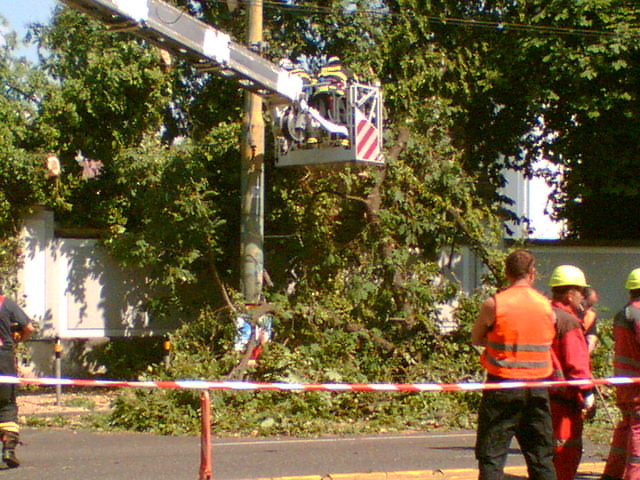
x=348 y=130
x=171 y=29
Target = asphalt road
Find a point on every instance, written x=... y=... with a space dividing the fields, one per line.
x=68 y=455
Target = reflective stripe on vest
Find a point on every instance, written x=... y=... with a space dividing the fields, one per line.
x=519 y=342
x=633 y=363
x=333 y=73
x=517 y=349
x=568 y=442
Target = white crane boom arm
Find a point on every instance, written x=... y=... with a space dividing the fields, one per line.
x=308 y=130
x=183 y=35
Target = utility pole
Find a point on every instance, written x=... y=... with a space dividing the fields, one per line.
x=252 y=176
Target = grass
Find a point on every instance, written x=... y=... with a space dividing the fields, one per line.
x=85 y=402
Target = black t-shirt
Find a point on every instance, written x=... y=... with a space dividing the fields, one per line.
x=11 y=316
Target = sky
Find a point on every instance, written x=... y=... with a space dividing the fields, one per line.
x=19 y=13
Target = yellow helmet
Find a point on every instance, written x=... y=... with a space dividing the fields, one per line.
x=564 y=275
x=633 y=280
x=285 y=63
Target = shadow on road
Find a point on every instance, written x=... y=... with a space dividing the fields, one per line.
x=579 y=476
x=512 y=451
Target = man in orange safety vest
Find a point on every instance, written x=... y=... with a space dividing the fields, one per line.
x=516 y=328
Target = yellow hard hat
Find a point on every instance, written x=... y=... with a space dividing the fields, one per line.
x=286 y=63
x=633 y=280
x=564 y=275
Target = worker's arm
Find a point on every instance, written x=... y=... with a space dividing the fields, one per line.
x=592 y=342
x=633 y=313
x=484 y=322
x=26 y=332
x=21 y=325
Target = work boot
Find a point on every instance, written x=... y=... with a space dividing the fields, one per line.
x=10 y=441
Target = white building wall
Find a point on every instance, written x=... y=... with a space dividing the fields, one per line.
x=531 y=198
x=606 y=269
x=75 y=291
x=36 y=285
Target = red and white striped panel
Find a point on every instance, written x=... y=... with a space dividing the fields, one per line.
x=368 y=140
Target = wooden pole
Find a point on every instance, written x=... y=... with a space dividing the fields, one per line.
x=252 y=176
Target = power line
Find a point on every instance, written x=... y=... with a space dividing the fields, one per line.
x=499 y=26
x=507 y=26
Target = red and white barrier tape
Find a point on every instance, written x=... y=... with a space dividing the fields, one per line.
x=329 y=387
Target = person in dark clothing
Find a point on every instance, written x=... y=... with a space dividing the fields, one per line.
x=15 y=326
x=516 y=327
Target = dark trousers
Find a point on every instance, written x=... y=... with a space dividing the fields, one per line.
x=8 y=404
x=524 y=413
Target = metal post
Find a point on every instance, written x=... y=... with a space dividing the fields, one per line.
x=166 y=346
x=252 y=177
x=205 y=436
x=57 y=349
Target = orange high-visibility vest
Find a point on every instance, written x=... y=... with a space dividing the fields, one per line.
x=519 y=342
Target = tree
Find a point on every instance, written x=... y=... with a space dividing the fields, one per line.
x=23 y=179
x=357 y=283
x=470 y=87
x=161 y=200
x=591 y=102
x=553 y=80
x=364 y=241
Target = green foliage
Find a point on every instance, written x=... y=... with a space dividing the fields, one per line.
x=201 y=350
x=159 y=411
x=56 y=421
x=23 y=183
x=602 y=358
x=99 y=75
x=170 y=222
x=124 y=358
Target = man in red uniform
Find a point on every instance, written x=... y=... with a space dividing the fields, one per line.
x=624 y=455
x=571 y=362
x=516 y=327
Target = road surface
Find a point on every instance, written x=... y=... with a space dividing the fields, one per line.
x=68 y=455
